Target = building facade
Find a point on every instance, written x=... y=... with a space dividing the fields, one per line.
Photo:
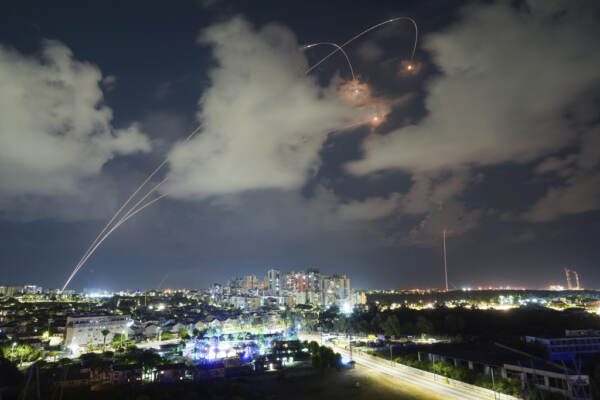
x=86 y=330
x=273 y=281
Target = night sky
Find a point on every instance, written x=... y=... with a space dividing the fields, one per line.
x=493 y=136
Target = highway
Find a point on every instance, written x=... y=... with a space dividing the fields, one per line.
x=441 y=388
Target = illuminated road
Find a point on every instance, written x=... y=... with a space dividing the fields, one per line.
x=441 y=388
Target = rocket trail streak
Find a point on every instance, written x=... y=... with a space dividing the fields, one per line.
x=129 y=199
x=121 y=221
x=112 y=219
x=339 y=48
x=369 y=30
x=78 y=266
x=162 y=281
x=141 y=200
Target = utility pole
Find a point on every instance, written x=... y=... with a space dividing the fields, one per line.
x=445 y=263
x=494 y=390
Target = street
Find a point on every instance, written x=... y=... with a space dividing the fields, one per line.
x=444 y=390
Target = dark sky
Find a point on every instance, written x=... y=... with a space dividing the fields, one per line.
x=494 y=136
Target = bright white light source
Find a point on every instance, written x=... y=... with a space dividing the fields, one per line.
x=347 y=308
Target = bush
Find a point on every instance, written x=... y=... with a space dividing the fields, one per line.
x=323 y=357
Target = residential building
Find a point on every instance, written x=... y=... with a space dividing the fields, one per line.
x=273 y=281
x=87 y=329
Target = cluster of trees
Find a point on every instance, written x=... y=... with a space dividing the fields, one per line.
x=458 y=321
x=21 y=353
x=148 y=358
x=323 y=357
x=508 y=386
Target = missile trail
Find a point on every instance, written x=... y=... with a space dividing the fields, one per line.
x=367 y=31
x=339 y=48
x=123 y=220
x=92 y=246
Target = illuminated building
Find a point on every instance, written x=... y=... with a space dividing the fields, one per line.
x=250 y=282
x=273 y=281
x=575 y=343
x=87 y=329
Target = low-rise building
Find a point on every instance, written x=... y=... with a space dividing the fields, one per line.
x=500 y=361
x=575 y=343
x=170 y=373
x=83 y=330
x=123 y=374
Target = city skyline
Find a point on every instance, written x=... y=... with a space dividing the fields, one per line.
x=456 y=132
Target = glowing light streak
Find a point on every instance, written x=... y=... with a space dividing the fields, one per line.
x=367 y=31
x=339 y=48
x=121 y=221
x=100 y=236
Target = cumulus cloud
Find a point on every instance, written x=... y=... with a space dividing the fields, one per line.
x=55 y=132
x=579 y=190
x=579 y=194
x=511 y=89
x=264 y=121
x=370 y=209
x=508 y=77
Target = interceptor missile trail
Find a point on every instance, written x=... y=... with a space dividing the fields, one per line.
x=339 y=48
x=136 y=192
x=369 y=30
x=93 y=246
x=121 y=221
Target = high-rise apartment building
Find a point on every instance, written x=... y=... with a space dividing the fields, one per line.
x=273 y=281
x=250 y=282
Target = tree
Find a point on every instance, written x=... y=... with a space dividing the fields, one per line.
x=424 y=325
x=118 y=340
x=313 y=347
x=150 y=359
x=104 y=333
x=391 y=326
x=184 y=333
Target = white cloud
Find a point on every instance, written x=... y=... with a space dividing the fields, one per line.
x=508 y=77
x=580 y=190
x=264 y=121
x=581 y=193
x=372 y=208
x=55 y=132
x=515 y=86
